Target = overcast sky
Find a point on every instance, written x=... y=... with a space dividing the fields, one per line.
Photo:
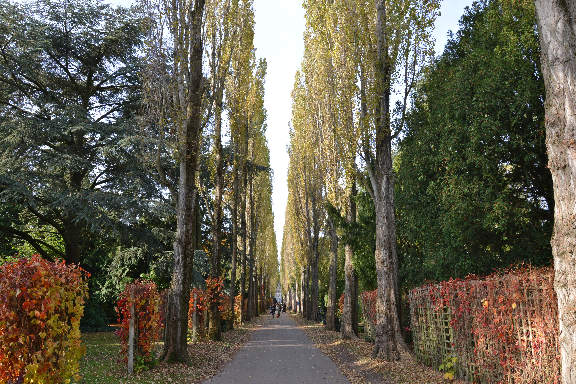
x=278 y=39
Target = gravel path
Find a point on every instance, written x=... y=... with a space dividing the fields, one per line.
x=279 y=353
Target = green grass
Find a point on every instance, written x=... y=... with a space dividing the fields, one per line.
x=102 y=364
x=99 y=364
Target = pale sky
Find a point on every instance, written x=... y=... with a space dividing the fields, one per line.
x=278 y=39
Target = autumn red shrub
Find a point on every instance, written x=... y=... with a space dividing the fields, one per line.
x=215 y=293
x=196 y=305
x=200 y=301
x=41 y=304
x=227 y=312
x=147 y=319
x=501 y=328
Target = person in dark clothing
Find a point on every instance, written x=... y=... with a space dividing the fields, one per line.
x=273 y=307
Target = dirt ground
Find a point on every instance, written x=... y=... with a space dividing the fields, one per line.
x=354 y=359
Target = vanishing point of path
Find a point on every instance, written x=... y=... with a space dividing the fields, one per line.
x=279 y=353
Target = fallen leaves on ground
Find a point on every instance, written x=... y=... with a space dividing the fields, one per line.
x=102 y=361
x=354 y=358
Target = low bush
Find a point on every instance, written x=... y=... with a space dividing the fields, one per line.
x=41 y=304
x=147 y=322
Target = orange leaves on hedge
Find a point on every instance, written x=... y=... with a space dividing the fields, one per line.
x=41 y=304
x=146 y=299
x=215 y=292
x=340 y=305
x=200 y=300
x=505 y=324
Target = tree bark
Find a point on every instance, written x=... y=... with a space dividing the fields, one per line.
x=346 y=327
x=189 y=132
x=250 y=236
x=387 y=333
x=243 y=232
x=72 y=235
x=557 y=31
x=304 y=294
x=298 y=293
x=215 y=330
x=314 y=288
x=332 y=295
x=355 y=304
x=234 y=244
x=309 y=291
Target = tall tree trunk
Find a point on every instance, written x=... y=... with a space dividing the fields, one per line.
x=346 y=327
x=71 y=235
x=355 y=304
x=298 y=292
x=215 y=331
x=387 y=333
x=332 y=295
x=258 y=293
x=234 y=244
x=557 y=31
x=179 y=296
x=308 y=292
x=243 y=244
x=175 y=343
x=250 y=236
x=304 y=292
x=314 y=268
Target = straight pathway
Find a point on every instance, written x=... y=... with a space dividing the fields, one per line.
x=279 y=353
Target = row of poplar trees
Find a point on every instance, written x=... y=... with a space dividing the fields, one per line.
x=362 y=63
x=202 y=69
x=357 y=54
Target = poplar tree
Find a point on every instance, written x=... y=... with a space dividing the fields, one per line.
x=403 y=44
x=179 y=57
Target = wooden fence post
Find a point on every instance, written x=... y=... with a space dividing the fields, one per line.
x=131 y=336
x=194 y=321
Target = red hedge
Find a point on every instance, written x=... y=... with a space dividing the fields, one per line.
x=501 y=328
x=214 y=293
x=147 y=320
x=41 y=304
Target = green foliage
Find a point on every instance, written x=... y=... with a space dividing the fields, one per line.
x=362 y=236
x=473 y=192
x=448 y=366
x=74 y=178
x=70 y=150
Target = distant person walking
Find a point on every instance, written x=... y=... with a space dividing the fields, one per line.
x=273 y=307
x=278 y=309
